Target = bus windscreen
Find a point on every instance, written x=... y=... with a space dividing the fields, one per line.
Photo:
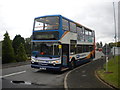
x=46 y=23
x=45 y=49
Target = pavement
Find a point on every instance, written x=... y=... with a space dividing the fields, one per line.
x=84 y=76
x=16 y=64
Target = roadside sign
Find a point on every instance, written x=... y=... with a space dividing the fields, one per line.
x=106 y=50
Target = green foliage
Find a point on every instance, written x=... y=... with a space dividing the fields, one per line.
x=99 y=45
x=28 y=46
x=17 y=41
x=21 y=54
x=114 y=44
x=7 y=49
x=112 y=77
x=16 y=50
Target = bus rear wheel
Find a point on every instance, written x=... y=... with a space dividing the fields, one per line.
x=91 y=57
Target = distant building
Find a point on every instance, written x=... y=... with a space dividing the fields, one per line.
x=115 y=50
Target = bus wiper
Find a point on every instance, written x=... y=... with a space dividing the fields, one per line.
x=36 y=56
x=50 y=57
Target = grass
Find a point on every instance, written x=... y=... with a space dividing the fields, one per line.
x=111 y=76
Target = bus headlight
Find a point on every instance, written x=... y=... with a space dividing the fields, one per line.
x=56 y=61
x=33 y=60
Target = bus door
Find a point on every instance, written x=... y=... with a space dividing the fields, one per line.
x=65 y=54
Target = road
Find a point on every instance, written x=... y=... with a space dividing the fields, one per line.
x=39 y=79
x=85 y=77
x=98 y=55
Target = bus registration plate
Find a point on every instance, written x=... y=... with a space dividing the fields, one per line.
x=42 y=68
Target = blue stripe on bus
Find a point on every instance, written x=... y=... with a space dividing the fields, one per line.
x=56 y=15
x=46 y=30
x=45 y=40
x=48 y=16
x=61 y=32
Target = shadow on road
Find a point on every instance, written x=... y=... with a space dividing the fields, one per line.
x=51 y=72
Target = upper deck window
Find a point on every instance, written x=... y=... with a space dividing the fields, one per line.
x=65 y=24
x=72 y=27
x=90 y=33
x=80 y=34
x=86 y=32
x=46 y=23
x=93 y=33
x=80 y=30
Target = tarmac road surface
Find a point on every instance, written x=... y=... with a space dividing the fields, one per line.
x=49 y=79
x=84 y=76
x=32 y=79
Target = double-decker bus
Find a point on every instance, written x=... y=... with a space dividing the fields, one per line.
x=59 y=43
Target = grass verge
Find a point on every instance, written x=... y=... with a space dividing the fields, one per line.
x=111 y=75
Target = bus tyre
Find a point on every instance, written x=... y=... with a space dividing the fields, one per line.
x=72 y=64
x=59 y=71
x=91 y=56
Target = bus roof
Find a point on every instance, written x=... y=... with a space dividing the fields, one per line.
x=48 y=16
x=66 y=19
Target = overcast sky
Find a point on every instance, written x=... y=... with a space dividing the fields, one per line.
x=16 y=16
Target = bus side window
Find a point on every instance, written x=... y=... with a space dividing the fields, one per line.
x=65 y=24
x=72 y=49
x=90 y=48
x=72 y=27
x=80 y=34
x=79 y=49
x=90 y=33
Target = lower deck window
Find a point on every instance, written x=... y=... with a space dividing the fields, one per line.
x=84 y=48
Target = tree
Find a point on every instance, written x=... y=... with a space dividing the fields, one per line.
x=7 y=49
x=17 y=41
x=97 y=45
x=21 y=54
x=114 y=44
x=118 y=44
x=101 y=45
x=28 y=46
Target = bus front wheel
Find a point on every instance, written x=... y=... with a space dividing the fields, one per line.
x=72 y=64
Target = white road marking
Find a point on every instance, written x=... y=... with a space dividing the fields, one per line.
x=83 y=71
x=84 y=75
x=12 y=74
x=28 y=83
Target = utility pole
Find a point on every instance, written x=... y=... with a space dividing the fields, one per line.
x=106 y=59
x=115 y=29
